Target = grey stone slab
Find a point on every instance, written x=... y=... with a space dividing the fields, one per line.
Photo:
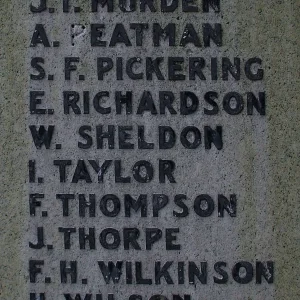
x=258 y=163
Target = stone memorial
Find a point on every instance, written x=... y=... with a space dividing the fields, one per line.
x=149 y=150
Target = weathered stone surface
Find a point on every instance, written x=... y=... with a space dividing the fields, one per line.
x=259 y=161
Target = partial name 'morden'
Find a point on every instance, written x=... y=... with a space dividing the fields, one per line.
x=166 y=6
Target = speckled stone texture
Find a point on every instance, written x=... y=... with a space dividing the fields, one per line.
x=259 y=162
